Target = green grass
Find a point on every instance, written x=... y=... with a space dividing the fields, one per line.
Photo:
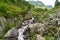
x=34 y=36
x=48 y=37
x=2 y=39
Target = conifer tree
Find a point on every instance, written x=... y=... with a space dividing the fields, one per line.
x=57 y=3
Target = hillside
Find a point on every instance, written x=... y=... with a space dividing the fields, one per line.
x=28 y=20
x=12 y=8
x=36 y=3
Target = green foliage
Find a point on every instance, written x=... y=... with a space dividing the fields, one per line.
x=48 y=38
x=41 y=15
x=2 y=39
x=9 y=26
x=12 y=8
x=35 y=36
x=55 y=9
x=57 y=3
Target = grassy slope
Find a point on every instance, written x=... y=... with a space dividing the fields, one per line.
x=12 y=8
x=43 y=14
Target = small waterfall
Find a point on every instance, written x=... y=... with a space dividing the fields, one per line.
x=25 y=24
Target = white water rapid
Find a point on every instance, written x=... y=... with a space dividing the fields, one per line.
x=25 y=24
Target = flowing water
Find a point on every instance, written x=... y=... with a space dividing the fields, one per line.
x=25 y=24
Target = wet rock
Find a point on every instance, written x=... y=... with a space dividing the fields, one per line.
x=11 y=34
x=24 y=23
x=39 y=37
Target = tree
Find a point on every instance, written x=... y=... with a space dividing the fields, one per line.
x=57 y=3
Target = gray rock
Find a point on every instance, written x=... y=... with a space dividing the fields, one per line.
x=37 y=27
x=51 y=16
x=2 y=25
x=11 y=39
x=57 y=14
x=58 y=34
x=1 y=31
x=13 y=33
x=58 y=38
x=3 y=22
x=55 y=19
x=58 y=21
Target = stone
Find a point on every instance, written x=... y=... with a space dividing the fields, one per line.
x=58 y=34
x=13 y=33
x=28 y=15
x=57 y=21
x=3 y=22
x=58 y=15
x=39 y=37
x=2 y=25
x=51 y=16
x=11 y=39
x=58 y=38
x=37 y=27
x=1 y=31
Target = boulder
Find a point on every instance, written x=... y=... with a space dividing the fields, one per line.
x=51 y=16
x=55 y=19
x=11 y=34
x=37 y=27
x=58 y=21
x=3 y=22
x=39 y=37
x=2 y=25
x=1 y=31
x=58 y=15
x=58 y=34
